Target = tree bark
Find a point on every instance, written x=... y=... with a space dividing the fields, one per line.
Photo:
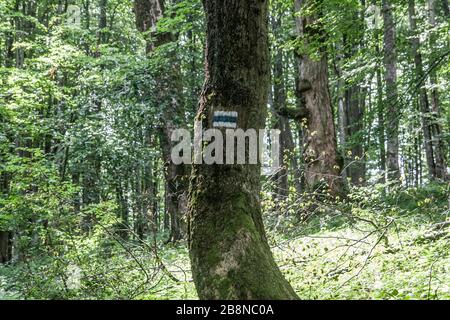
x=439 y=146
x=380 y=115
x=354 y=103
x=423 y=98
x=390 y=64
x=355 y=112
x=321 y=157
x=279 y=103
x=5 y=246
x=102 y=23
x=148 y=13
x=230 y=256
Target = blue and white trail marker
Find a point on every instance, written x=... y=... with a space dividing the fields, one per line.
x=225 y=119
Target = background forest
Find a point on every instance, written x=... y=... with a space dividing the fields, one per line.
x=91 y=206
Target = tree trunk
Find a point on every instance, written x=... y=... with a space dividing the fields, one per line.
x=148 y=13
x=340 y=91
x=439 y=146
x=355 y=114
x=320 y=153
x=5 y=246
x=298 y=162
x=5 y=236
x=445 y=8
x=354 y=103
x=123 y=210
x=279 y=103
x=423 y=98
x=380 y=116
x=230 y=256
x=102 y=23
x=393 y=106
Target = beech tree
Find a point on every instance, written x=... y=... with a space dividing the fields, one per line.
x=230 y=256
x=91 y=92
x=319 y=139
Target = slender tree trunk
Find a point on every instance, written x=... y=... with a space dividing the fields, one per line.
x=5 y=246
x=123 y=210
x=279 y=103
x=445 y=8
x=439 y=146
x=342 y=114
x=230 y=256
x=354 y=128
x=393 y=106
x=380 y=116
x=423 y=98
x=354 y=104
x=342 y=118
x=5 y=235
x=148 y=13
x=92 y=166
x=298 y=163
x=146 y=215
x=18 y=25
x=102 y=23
x=320 y=153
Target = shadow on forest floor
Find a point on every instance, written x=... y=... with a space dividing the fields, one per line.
x=370 y=246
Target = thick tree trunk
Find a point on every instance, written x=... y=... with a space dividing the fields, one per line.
x=230 y=256
x=322 y=163
x=393 y=106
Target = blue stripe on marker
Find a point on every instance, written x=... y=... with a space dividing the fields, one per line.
x=225 y=119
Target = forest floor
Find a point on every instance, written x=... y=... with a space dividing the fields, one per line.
x=372 y=247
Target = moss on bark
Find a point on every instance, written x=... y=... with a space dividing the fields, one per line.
x=228 y=247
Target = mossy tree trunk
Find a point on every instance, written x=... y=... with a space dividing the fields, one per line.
x=230 y=256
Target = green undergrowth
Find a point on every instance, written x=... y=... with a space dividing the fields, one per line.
x=372 y=245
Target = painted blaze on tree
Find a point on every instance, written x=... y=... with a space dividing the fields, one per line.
x=230 y=256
